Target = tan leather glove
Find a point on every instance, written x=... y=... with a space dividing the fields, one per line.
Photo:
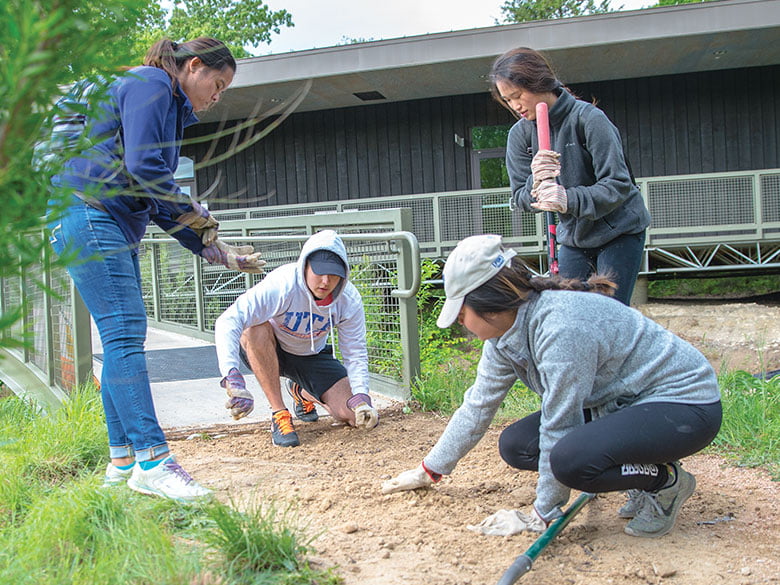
x=201 y=222
x=550 y=196
x=241 y=258
x=545 y=166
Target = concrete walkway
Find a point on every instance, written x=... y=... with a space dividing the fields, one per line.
x=185 y=379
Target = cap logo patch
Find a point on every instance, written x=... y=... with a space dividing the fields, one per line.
x=498 y=262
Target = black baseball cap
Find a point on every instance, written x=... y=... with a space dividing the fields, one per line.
x=327 y=262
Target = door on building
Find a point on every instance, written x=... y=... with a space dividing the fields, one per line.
x=488 y=171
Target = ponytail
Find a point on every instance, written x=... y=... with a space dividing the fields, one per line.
x=171 y=56
x=514 y=284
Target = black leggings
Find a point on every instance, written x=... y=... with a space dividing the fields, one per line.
x=621 y=451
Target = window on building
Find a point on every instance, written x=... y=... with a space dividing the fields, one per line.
x=185 y=176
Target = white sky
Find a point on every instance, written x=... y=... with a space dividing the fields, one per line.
x=325 y=23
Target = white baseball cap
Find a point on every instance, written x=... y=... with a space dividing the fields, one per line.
x=473 y=262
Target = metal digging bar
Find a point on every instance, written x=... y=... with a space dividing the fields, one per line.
x=523 y=563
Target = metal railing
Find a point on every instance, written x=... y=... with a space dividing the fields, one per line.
x=184 y=294
x=706 y=222
x=700 y=223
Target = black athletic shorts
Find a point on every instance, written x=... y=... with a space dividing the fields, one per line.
x=315 y=373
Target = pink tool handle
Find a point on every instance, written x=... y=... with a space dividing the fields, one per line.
x=542 y=126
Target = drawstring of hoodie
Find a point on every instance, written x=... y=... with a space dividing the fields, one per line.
x=332 y=336
x=311 y=323
x=330 y=325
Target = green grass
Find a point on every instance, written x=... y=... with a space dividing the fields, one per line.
x=723 y=287
x=58 y=526
x=750 y=433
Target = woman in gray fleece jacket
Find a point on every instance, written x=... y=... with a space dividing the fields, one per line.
x=584 y=177
x=622 y=398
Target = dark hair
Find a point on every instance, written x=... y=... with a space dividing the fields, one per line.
x=171 y=56
x=524 y=68
x=514 y=283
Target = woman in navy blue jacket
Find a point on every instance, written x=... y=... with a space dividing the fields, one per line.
x=123 y=180
x=585 y=177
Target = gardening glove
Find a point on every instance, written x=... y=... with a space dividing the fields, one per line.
x=550 y=196
x=546 y=165
x=201 y=222
x=241 y=258
x=412 y=479
x=506 y=522
x=366 y=416
x=240 y=402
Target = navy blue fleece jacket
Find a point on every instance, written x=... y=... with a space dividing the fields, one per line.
x=137 y=132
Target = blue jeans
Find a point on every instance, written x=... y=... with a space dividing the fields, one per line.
x=107 y=275
x=621 y=259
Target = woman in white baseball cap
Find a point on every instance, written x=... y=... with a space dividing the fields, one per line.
x=622 y=398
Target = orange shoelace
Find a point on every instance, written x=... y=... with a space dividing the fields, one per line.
x=307 y=405
x=283 y=420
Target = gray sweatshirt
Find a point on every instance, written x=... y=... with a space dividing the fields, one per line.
x=577 y=351
x=603 y=202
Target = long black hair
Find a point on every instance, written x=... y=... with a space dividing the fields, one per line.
x=514 y=283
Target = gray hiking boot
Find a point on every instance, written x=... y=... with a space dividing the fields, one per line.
x=658 y=511
x=630 y=508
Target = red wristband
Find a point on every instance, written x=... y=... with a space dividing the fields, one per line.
x=435 y=477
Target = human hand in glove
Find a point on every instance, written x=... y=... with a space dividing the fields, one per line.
x=506 y=522
x=240 y=402
x=241 y=258
x=550 y=196
x=411 y=479
x=366 y=416
x=201 y=222
x=545 y=166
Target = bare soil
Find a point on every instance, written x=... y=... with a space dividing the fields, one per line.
x=728 y=532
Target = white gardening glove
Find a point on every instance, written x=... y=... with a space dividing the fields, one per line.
x=241 y=258
x=545 y=166
x=366 y=416
x=506 y=522
x=240 y=402
x=411 y=479
x=201 y=222
x=550 y=196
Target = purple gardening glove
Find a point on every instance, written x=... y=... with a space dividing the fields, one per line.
x=201 y=222
x=366 y=416
x=241 y=258
x=240 y=402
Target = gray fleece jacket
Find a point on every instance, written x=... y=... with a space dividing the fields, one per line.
x=603 y=202
x=577 y=351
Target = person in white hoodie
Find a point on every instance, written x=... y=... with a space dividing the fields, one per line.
x=281 y=327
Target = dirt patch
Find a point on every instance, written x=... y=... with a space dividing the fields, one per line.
x=728 y=532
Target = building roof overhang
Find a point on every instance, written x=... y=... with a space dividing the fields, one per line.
x=723 y=34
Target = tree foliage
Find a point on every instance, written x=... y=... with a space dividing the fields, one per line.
x=528 y=10
x=237 y=23
x=44 y=46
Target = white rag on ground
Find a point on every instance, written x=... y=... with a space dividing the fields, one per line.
x=506 y=522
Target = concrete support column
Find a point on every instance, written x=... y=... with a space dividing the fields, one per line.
x=639 y=296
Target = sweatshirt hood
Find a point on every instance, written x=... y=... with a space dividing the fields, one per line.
x=323 y=240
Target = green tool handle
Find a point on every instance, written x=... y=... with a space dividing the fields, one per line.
x=522 y=564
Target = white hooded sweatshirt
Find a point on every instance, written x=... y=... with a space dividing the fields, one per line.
x=301 y=327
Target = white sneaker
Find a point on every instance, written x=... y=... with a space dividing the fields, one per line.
x=167 y=480
x=115 y=476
